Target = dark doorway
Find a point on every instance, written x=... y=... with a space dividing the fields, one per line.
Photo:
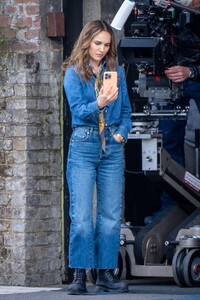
x=73 y=11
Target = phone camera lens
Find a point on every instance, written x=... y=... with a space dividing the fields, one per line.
x=107 y=76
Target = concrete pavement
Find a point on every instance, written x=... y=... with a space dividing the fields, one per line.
x=138 y=290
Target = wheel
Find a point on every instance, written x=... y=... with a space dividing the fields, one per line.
x=191 y=268
x=92 y=273
x=177 y=267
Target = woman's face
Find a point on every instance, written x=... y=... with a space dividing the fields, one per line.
x=99 y=47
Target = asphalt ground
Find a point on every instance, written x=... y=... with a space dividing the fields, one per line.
x=145 y=289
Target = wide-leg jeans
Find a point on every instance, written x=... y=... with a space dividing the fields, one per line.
x=95 y=243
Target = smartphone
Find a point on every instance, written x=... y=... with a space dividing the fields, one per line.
x=110 y=80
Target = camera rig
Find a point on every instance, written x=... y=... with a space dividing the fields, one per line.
x=151 y=43
x=151 y=47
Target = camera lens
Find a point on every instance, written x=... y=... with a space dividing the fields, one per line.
x=107 y=76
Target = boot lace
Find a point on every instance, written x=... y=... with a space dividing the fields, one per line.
x=79 y=275
x=111 y=275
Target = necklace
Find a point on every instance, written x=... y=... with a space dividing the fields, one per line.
x=96 y=70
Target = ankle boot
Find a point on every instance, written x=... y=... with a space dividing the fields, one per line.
x=78 y=286
x=108 y=282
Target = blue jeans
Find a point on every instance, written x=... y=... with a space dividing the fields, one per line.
x=95 y=243
x=173 y=131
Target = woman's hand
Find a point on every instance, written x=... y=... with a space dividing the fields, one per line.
x=118 y=137
x=106 y=97
x=177 y=73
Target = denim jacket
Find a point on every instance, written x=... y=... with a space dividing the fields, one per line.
x=83 y=105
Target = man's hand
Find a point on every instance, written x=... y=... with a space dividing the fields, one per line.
x=177 y=73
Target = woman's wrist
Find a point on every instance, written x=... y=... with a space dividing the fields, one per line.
x=98 y=105
x=119 y=137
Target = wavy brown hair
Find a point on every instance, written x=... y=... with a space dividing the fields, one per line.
x=80 y=53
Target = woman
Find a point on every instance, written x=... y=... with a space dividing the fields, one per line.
x=95 y=244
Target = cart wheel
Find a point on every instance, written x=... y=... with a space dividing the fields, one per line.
x=177 y=267
x=92 y=273
x=191 y=268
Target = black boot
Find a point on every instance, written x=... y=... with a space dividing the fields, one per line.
x=108 y=282
x=78 y=286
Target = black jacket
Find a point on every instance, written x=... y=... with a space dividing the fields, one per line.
x=188 y=42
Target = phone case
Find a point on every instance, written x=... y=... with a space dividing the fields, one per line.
x=110 y=79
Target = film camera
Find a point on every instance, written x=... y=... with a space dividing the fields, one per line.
x=150 y=36
x=150 y=44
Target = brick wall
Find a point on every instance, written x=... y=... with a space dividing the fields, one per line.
x=31 y=244
x=30 y=145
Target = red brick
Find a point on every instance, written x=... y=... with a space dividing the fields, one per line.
x=32 y=33
x=8 y=33
x=21 y=9
x=32 y=10
x=24 y=22
x=27 y=1
x=25 y=47
x=10 y=9
x=4 y=21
